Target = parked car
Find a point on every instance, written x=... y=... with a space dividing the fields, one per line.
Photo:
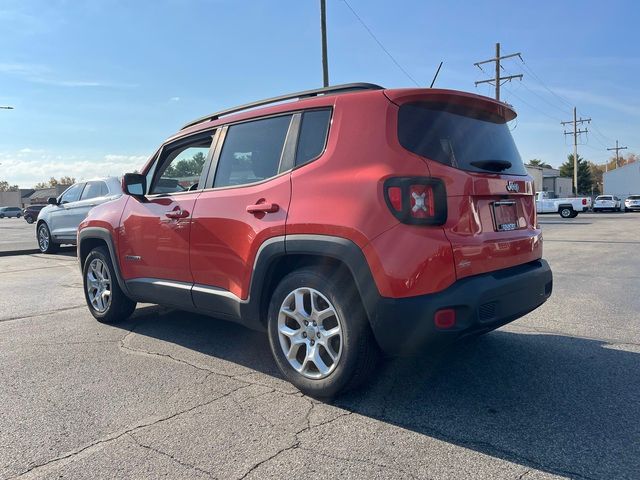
x=607 y=202
x=58 y=221
x=31 y=213
x=566 y=207
x=337 y=239
x=9 y=212
x=632 y=203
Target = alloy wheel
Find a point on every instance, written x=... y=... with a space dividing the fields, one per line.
x=310 y=333
x=99 y=285
x=43 y=238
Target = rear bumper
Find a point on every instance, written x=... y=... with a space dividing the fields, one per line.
x=482 y=303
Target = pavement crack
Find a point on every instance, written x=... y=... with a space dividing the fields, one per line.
x=65 y=309
x=172 y=457
x=269 y=459
x=87 y=449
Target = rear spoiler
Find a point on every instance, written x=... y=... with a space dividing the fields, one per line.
x=400 y=96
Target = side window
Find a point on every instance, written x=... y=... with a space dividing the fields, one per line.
x=179 y=168
x=72 y=194
x=94 y=190
x=252 y=151
x=313 y=135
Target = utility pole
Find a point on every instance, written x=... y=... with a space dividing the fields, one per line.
x=323 y=28
x=617 y=148
x=575 y=134
x=497 y=79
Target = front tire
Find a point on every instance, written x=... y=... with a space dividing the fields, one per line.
x=29 y=220
x=45 y=242
x=105 y=299
x=319 y=333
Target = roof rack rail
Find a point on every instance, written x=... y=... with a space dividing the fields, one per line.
x=347 y=87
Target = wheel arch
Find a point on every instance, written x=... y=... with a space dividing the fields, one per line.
x=337 y=255
x=93 y=237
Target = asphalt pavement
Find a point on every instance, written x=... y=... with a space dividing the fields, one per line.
x=176 y=395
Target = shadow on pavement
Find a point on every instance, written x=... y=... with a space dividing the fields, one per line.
x=565 y=405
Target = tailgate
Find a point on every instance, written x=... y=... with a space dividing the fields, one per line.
x=467 y=143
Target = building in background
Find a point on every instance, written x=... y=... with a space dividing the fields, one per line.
x=622 y=181
x=41 y=195
x=553 y=183
x=536 y=173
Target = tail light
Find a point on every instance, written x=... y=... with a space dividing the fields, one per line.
x=417 y=200
x=584 y=201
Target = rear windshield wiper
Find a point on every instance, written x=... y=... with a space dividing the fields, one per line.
x=492 y=165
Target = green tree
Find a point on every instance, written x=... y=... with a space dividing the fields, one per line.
x=585 y=176
x=187 y=167
x=536 y=162
x=5 y=187
x=54 y=182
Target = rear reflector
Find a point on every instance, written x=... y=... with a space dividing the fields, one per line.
x=445 y=318
x=395 y=198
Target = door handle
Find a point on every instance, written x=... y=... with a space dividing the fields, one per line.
x=177 y=213
x=263 y=208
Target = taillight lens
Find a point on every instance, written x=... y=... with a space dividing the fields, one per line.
x=584 y=201
x=417 y=200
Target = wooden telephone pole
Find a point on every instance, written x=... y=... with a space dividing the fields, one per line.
x=497 y=79
x=575 y=134
x=617 y=148
x=323 y=28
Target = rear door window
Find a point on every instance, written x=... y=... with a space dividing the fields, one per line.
x=463 y=138
x=313 y=135
x=252 y=151
x=94 y=189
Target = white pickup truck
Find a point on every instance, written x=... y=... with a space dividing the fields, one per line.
x=566 y=207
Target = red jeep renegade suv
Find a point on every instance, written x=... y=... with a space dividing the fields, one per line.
x=344 y=221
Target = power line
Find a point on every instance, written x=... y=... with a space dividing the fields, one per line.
x=544 y=85
x=556 y=119
x=524 y=85
x=380 y=43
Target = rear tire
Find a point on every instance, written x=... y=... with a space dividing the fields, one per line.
x=105 y=299
x=45 y=242
x=566 y=212
x=337 y=354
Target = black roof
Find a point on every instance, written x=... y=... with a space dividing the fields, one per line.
x=347 y=87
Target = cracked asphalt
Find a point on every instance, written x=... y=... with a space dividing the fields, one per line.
x=170 y=394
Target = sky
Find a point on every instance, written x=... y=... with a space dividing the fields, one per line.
x=97 y=85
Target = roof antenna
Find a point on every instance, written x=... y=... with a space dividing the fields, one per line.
x=436 y=75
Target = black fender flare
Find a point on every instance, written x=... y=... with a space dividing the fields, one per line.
x=103 y=234
x=336 y=248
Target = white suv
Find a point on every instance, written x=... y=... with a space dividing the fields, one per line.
x=607 y=202
x=632 y=203
x=58 y=222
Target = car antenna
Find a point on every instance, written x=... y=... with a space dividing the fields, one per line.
x=436 y=75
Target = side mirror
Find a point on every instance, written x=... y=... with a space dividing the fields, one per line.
x=134 y=184
x=52 y=201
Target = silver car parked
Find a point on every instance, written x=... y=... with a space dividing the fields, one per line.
x=58 y=222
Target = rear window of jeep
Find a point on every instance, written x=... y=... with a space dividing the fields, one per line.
x=464 y=138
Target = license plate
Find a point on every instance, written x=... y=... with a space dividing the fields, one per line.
x=505 y=216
